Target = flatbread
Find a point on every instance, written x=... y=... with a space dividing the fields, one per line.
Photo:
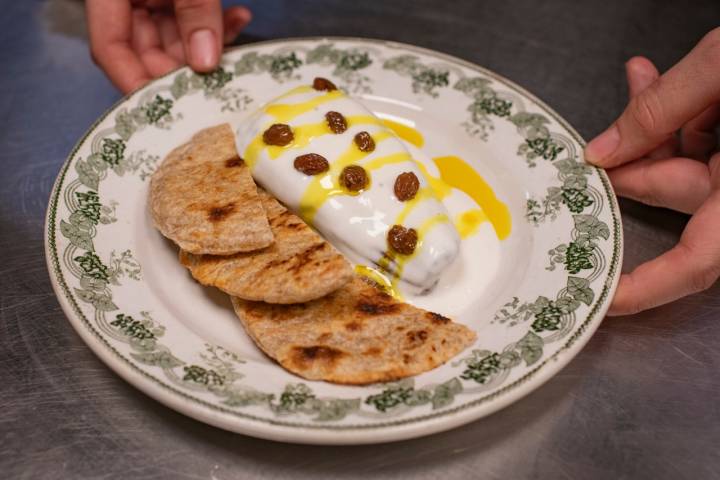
x=300 y=265
x=204 y=199
x=356 y=335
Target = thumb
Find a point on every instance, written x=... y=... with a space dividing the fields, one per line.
x=654 y=115
x=200 y=23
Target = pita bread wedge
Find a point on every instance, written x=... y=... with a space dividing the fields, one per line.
x=356 y=335
x=204 y=199
x=300 y=265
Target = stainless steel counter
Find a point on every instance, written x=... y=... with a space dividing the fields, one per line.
x=640 y=401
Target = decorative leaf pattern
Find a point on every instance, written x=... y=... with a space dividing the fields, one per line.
x=101 y=301
x=299 y=398
x=157 y=109
x=444 y=394
x=78 y=236
x=482 y=366
x=281 y=67
x=541 y=147
x=425 y=80
x=159 y=358
x=92 y=266
x=113 y=151
x=548 y=318
x=133 y=328
x=214 y=85
x=138 y=162
x=348 y=64
x=207 y=377
x=531 y=348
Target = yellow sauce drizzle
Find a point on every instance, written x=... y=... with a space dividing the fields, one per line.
x=386 y=160
x=322 y=187
x=427 y=225
x=401 y=260
x=409 y=134
x=458 y=174
x=284 y=112
x=439 y=187
x=421 y=195
x=303 y=135
x=362 y=120
x=468 y=222
x=378 y=278
x=296 y=91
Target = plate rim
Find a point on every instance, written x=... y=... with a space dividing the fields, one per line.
x=393 y=430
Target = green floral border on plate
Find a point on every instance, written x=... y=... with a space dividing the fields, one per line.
x=553 y=317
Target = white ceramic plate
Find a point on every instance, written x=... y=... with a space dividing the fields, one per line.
x=541 y=292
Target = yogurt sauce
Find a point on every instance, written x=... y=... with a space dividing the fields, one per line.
x=451 y=205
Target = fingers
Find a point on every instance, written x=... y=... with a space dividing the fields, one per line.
x=235 y=19
x=698 y=137
x=691 y=266
x=109 y=28
x=641 y=73
x=147 y=44
x=170 y=36
x=681 y=184
x=714 y=167
x=134 y=46
x=652 y=117
x=201 y=25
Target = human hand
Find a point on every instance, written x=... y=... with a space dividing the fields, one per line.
x=133 y=41
x=662 y=151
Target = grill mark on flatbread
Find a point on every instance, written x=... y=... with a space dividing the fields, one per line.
x=375 y=308
x=300 y=265
x=306 y=257
x=373 y=351
x=234 y=162
x=301 y=357
x=203 y=197
x=217 y=214
x=353 y=326
x=438 y=319
x=394 y=340
x=415 y=338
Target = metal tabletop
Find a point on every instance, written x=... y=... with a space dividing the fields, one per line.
x=640 y=401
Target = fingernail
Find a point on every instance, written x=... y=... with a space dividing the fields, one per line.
x=603 y=145
x=203 y=49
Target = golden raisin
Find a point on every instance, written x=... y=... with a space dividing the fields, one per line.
x=364 y=142
x=311 y=164
x=406 y=186
x=354 y=178
x=321 y=83
x=336 y=122
x=402 y=240
x=278 y=134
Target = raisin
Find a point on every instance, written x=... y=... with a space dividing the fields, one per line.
x=402 y=240
x=311 y=164
x=278 y=134
x=336 y=122
x=321 y=83
x=354 y=178
x=364 y=142
x=406 y=186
